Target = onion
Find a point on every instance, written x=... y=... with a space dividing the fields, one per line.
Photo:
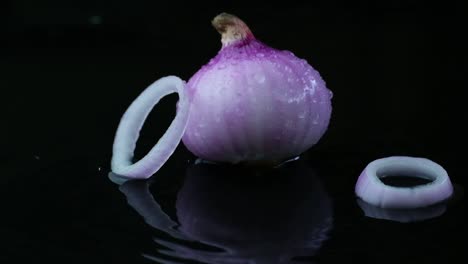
x=254 y=103
x=251 y=103
x=372 y=190
x=132 y=122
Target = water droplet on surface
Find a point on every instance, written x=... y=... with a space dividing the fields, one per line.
x=301 y=115
x=260 y=78
x=314 y=100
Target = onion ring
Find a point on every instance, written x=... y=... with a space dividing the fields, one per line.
x=132 y=121
x=372 y=190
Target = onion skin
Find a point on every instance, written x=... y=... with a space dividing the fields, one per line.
x=254 y=103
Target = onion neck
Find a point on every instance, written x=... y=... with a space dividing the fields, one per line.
x=231 y=28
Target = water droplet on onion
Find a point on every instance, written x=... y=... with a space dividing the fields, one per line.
x=316 y=119
x=260 y=78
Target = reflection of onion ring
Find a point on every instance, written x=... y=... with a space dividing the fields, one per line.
x=132 y=122
x=371 y=189
x=403 y=215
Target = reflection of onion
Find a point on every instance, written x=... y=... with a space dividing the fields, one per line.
x=235 y=209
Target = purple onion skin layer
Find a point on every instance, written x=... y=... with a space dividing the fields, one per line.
x=255 y=103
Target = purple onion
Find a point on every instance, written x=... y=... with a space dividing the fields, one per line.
x=254 y=103
x=251 y=103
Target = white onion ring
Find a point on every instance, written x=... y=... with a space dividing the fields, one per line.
x=132 y=121
x=372 y=190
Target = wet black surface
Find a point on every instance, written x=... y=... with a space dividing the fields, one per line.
x=70 y=69
x=305 y=210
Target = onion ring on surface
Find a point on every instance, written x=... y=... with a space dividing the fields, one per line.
x=372 y=190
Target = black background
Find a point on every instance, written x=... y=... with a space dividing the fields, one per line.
x=69 y=69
